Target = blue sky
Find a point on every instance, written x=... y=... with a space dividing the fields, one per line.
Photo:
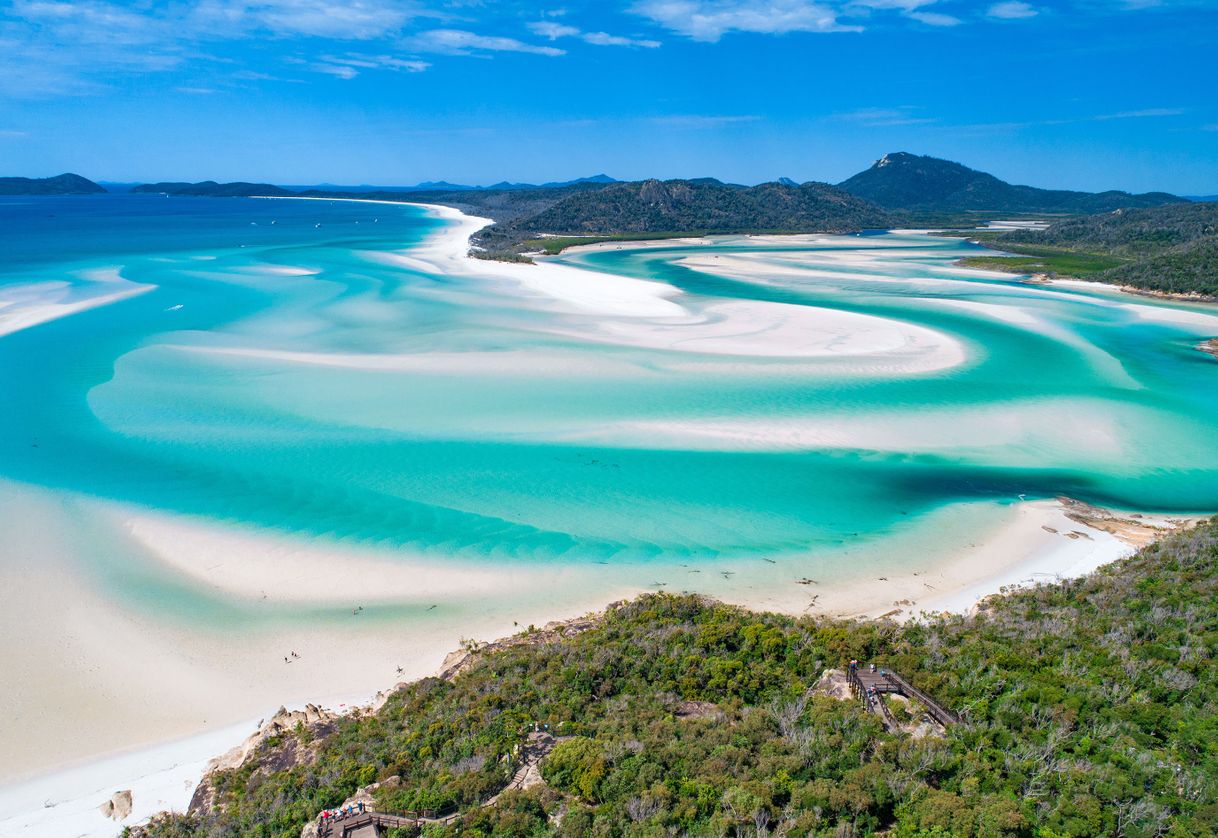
x=1087 y=94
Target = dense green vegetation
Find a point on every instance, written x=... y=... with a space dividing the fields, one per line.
x=1171 y=249
x=653 y=206
x=1090 y=708
x=1042 y=259
x=1129 y=232
x=904 y=181
x=65 y=184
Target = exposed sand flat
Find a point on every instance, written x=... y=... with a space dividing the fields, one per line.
x=23 y=306
x=111 y=675
x=1082 y=428
x=650 y=314
x=778 y=330
x=517 y=363
x=807 y=267
x=1175 y=316
x=263 y=568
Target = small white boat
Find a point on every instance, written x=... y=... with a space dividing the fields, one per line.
x=178 y=307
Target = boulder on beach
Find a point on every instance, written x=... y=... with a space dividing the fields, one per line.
x=118 y=807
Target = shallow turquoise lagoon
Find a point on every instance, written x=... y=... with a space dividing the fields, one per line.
x=284 y=373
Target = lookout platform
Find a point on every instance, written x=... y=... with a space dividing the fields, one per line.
x=870 y=686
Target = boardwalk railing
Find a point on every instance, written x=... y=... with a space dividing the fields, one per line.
x=936 y=710
x=869 y=686
x=341 y=826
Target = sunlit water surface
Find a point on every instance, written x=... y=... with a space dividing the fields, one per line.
x=284 y=375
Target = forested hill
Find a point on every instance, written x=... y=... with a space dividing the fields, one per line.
x=65 y=184
x=903 y=181
x=212 y=189
x=1170 y=249
x=1131 y=232
x=654 y=206
x=1088 y=708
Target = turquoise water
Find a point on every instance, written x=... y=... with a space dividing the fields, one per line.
x=288 y=377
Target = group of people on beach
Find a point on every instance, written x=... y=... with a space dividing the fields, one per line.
x=345 y=812
x=286 y=659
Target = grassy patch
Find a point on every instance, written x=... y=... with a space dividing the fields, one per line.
x=1031 y=259
x=553 y=245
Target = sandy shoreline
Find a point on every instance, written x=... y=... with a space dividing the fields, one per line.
x=207 y=692
x=1038 y=542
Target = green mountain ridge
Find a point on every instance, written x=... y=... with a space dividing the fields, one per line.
x=65 y=184
x=653 y=206
x=904 y=181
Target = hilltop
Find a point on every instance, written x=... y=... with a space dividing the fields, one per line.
x=1086 y=707
x=65 y=184
x=903 y=181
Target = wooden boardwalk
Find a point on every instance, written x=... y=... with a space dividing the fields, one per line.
x=369 y=823
x=870 y=687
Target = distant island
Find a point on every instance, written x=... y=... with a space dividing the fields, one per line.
x=212 y=189
x=65 y=184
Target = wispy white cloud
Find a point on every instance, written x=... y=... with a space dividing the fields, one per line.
x=883 y=117
x=553 y=31
x=702 y=120
x=9 y=134
x=1011 y=10
x=378 y=62
x=1211 y=127
x=342 y=71
x=710 y=20
x=196 y=91
x=1142 y=114
x=604 y=39
x=934 y=18
x=462 y=42
x=349 y=20
x=255 y=75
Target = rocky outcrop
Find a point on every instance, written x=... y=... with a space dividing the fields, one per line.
x=118 y=807
x=835 y=684
x=292 y=752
